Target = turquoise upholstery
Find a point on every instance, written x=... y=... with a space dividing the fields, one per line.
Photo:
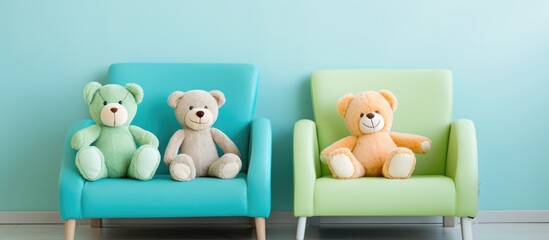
x=246 y=195
x=162 y=198
x=445 y=180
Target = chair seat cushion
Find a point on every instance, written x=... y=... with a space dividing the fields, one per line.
x=432 y=195
x=164 y=197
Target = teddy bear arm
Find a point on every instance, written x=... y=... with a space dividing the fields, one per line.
x=416 y=143
x=143 y=137
x=173 y=146
x=347 y=142
x=85 y=137
x=224 y=142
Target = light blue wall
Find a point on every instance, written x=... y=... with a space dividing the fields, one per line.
x=497 y=50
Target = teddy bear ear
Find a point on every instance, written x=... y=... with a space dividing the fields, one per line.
x=89 y=91
x=173 y=99
x=343 y=103
x=219 y=97
x=136 y=91
x=390 y=97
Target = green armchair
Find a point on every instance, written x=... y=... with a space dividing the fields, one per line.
x=445 y=180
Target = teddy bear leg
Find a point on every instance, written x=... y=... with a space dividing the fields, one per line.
x=227 y=166
x=144 y=163
x=344 y=165
x=182 y=168
x=91 y=163
x=400 y=163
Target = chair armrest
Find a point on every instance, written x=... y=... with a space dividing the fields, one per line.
x=306 y=167
x=70 y=180
x=259 y=169
x=462 y=166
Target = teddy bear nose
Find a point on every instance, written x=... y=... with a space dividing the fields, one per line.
x=200 y=114
x=114 y=110
x=370 y=115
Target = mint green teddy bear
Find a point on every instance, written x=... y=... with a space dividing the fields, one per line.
x=109 y=148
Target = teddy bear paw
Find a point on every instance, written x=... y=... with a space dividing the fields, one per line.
x=90 y=163
x=425 y=146
x=181 y=172
x=401 y=165
x=145 y=163
x=342 y=166
x=229 y=170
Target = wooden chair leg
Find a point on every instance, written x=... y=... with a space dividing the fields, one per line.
x=70 y=226
x=96 y=223
x=301 y=225
x=260 y=228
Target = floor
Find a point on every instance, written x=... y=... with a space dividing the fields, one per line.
x=481 y=231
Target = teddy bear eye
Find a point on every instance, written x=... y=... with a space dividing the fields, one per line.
x=206 y=107
x=377 y=112
x=362 y=115
x=119 y=102
x=104 y=102
x=191 y=108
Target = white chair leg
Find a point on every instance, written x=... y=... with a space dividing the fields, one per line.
x=70 y=226
x=466 y=228
x=260 y=228
x=301 y=225
x=448 y=221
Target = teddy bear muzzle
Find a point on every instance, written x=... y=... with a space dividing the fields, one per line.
x=371 y=122
x=198 y=118
x=114 y=115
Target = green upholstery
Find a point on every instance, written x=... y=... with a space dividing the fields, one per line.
x=382 y=197
x=445 y=181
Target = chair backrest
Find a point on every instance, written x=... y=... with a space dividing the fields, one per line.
x=237 y=81
x=424 y=107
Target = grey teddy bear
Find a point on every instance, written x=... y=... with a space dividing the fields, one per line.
x=192 y=151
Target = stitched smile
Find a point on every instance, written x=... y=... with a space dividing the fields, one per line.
x=113 y=122
x=372 y=124
x=199 y=121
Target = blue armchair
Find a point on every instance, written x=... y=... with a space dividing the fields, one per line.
x=249 y=194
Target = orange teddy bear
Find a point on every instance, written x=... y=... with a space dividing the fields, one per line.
x=372 y=150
